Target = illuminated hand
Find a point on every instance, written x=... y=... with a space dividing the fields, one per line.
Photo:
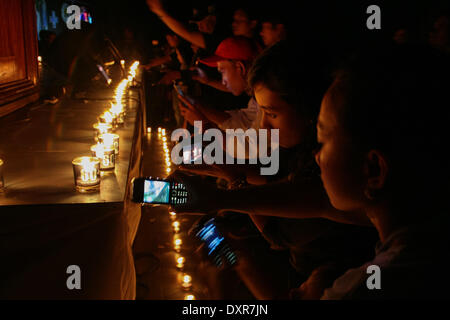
x=190 y=114
x=155 y=6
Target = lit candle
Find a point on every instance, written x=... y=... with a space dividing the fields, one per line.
x=173 y=215
x=189 y=297
x=180 y=262
x=177 y=245
x=110 y=139
x=101 y=128
x=187 y=282
x=159 y=130
x=163 y=131
x=86 y=172
x=176 y=226
x=106 y=155
x=117 y=111
x=149 y=130
x=2 y=182
x=107 y=117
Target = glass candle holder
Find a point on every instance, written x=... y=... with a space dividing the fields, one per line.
x=186 y=282
x=110 y=139
x=106 y=155
x=2 y=182
x=86 y=172
x=180 y=262
x=177 y=245
x=118 y=113
x=176 y=226
x=108 y=117
x=101 y=128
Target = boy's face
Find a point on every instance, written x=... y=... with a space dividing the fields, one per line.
x=233 y=76
x=340 y=163
x=241 y=25
x=278 y=114
x=270 y=33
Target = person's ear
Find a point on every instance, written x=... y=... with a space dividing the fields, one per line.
x=240 y=66
x=376 y=169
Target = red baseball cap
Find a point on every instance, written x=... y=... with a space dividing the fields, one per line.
x=233 y=48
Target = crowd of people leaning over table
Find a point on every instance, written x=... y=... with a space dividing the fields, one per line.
x=363 y=178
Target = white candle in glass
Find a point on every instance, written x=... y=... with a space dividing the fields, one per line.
x=86 y=172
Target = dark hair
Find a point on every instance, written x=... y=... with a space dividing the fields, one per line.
x=45 y=35
x=299 y=76
x=395 y=99
x=250 y=10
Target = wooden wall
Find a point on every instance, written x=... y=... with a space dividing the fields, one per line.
x=18 y=55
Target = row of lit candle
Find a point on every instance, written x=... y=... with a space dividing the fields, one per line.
x=186 y=279
x=104 y=153
x=180 y=261
x=2 y=182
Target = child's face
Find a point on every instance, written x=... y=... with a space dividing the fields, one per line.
x=340 y=162
x=233 y=77
x=278 y=114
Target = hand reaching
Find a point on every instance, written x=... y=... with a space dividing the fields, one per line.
x=155 y=6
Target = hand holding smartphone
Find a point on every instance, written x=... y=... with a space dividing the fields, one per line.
x=159 y=192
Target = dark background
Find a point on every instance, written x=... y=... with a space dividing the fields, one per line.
x=338 y=26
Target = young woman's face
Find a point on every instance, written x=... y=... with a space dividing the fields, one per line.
x=340 y=163
x=278 y=114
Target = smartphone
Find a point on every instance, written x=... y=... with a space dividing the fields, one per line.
x=216 y=246
x=181 y=93
x=156 y=191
